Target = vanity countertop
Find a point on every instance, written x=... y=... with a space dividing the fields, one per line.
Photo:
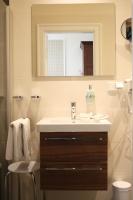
x=67 y=125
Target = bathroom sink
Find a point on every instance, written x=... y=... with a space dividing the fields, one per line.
x=67 y=124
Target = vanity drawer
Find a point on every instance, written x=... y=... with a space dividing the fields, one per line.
x=74 y=176
x=71 y=146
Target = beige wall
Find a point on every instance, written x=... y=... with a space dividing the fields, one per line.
x=57 y=95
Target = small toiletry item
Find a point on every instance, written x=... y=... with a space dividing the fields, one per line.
x=90 y=99
x=90 y=95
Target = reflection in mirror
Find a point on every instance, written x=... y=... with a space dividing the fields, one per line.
x=73 y=39
x=126 y=29
x=69 y=54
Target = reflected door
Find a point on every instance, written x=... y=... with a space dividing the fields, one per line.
x=87 y=47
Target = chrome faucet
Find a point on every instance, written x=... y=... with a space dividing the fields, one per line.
x=73 y=111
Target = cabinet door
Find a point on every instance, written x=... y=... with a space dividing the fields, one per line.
x=69 y=147
x=74 y=176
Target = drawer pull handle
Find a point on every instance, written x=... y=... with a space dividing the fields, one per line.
x=74 y=169
x=70 y=139
x=61 y=139
x=100 y=139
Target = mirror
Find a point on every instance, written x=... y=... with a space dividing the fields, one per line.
x=66 y=54
x=126 y=29
x=73 y=39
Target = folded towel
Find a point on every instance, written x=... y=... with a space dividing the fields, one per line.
x=14 y=141
x=26 y=139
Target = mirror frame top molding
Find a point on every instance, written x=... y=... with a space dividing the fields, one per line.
x=75 y=18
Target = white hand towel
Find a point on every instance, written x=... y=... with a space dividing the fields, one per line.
x=26 y=139
x=14 y=141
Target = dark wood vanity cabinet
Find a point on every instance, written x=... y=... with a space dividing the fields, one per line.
x=73 y=160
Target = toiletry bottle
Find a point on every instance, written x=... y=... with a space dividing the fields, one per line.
x=90 y=100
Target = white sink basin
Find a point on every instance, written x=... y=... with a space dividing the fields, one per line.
x=66 y=124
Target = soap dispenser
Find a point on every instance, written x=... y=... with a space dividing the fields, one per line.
x=90 y=100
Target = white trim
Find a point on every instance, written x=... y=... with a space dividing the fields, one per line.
x=9 y=83
x=42 y=29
